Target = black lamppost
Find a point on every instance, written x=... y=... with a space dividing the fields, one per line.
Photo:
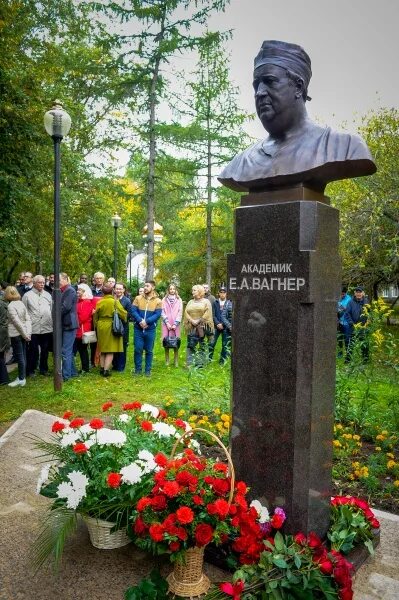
x=130 y=248
x=57 y=123
x=116 y=222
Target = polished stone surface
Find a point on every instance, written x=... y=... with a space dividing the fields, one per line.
x=284 y=281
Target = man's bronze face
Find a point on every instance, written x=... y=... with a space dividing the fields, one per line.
x=275 y=93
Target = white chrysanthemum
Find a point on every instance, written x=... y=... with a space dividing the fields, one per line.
x=131 y=474
x=261 y=510
x=107 y=436
x=146 y=461
x=70 y=438
x=124 y=418
x=43 y=476
x=86 y=429
x=149 y=408
x=194 y=444
x=188 y=426
x=90 y=442
x=74 y=490
x=164 y=430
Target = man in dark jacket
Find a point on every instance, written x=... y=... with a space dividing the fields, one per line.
x=69 y=322
x=356 y=315
x=223 y=309
x=146 y=311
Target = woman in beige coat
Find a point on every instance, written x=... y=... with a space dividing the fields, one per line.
x=19 y=330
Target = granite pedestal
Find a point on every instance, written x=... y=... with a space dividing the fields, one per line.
x=284 y=280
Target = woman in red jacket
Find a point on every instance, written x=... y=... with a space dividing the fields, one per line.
x=85 y=307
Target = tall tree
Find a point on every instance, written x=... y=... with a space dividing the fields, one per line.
x=166 y=26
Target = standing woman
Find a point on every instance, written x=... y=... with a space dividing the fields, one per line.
x=19 y=330
x=198 y=320
x=107 y=341
x=4 y=339
x=172 y=311
x=84 y=309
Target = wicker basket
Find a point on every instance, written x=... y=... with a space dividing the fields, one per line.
x=101 y=536
x=188 y=579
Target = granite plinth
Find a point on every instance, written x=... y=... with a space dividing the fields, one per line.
x=284 y=280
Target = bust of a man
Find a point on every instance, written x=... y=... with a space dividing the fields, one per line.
x=297 y=150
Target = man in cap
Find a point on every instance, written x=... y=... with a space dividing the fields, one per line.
x=223 y=310
x=297 y=150
x=356 y=317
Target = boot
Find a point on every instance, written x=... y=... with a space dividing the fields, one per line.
x=107 y=373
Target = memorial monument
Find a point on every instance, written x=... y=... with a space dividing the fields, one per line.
x=284 y=279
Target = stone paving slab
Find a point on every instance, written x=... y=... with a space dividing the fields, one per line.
x=87 y=573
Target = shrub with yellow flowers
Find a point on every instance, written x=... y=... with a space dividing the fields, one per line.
x=345 y=442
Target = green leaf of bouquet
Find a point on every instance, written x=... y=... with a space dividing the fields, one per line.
x=369 y=546
x=279 y=542
x=280 y=563
x=297 y=561
x=57 y=526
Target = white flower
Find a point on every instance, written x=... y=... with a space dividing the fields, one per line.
x=146 y=455
x=261 y=510
x=124 y=418
x=131 y=474
x=149 y=408
x=164 y=430
x=43 y=476
x=146 y=460
x=73 y=490
x=106 y=436
x=70 y=438
x=196 y=446
x=90 y=442
x=188 y=426
x=86 y=429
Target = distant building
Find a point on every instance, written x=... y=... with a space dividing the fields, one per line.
x=390 y=293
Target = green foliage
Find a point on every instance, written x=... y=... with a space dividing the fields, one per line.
x=57 y=526
x=348 y=529
x=153 y=587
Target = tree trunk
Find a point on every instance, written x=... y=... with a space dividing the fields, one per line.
x=151 y=162
x=209 y=216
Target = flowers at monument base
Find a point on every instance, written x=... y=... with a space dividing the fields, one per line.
x=101 y=468
x=194 y=502
x=352 y=523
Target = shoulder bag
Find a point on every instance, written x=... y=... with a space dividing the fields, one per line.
x=117 y=323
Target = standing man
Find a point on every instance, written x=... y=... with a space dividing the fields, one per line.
x=27 y=283
x=119 y=360
x=98 y=284
x=355 y=314
x=222 y=318
x=146 y=311
x=49 y=286
x=39 y=305
x=69 y=322
x=342 y=324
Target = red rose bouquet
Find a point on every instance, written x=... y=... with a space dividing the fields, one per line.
x=355 y=518
x=193 y=502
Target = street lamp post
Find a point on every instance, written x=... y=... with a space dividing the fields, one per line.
x=116 y=222
x=57 y=123
x=130 y=248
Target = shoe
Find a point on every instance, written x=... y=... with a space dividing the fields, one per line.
x=136 y=373
x=148 y=374
x=101 y=370
x=44 y=373
x=17 y=382
x=107 y=373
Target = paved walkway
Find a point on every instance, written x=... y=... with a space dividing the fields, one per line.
x=90 y=574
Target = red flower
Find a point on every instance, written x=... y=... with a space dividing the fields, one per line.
x=197 y=500
x=171 y=488
x=181 y=533
x=162 y=414
x=185 y=515
x=146 y=425
x=241 y=487
x=174 y=546
x=96 y=424
x=67 y=414
x=131 y=405
x=181 y=424
x=233 y=589
x=114 y=480
x=203 y=534
x=326 y=566
x=300 y=538
x=106 y=406
x=80 y=448
x=143 y=503
x=75 y=423
x=161 y=459
x=374 y=523
x=139 y=526
x=156 y=532
x=220 y=508
x=158 y=502
x=277 y=521
x=313 y=540
x=57 y=426
x=220 y=486
x=220 y=467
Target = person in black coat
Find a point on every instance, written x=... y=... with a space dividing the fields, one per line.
x=70 y=323
x=355 y=314
x=222 y=318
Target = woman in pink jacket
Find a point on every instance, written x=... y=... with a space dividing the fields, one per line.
x=172 y=310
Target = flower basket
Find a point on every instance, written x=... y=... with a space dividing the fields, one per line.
x=101 y=536
x=188 y=578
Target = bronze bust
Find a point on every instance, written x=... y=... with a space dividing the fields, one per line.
x=297 y=150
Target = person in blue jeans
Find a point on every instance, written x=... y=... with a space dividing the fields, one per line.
x=70 y=323
x=146 y=311
x=343 y=327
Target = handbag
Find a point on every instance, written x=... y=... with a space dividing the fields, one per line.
x=171 y=341
x=89 y=337
x=117 y=324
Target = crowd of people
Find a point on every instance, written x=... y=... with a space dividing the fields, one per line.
x=95 y=325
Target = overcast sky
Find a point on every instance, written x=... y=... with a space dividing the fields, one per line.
x=353 y=46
